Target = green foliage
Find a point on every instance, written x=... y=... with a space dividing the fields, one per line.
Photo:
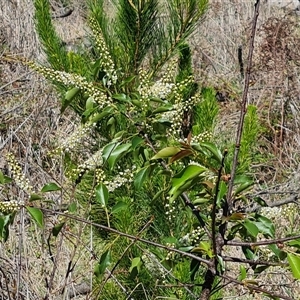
x=251 y=131
x=144 y=160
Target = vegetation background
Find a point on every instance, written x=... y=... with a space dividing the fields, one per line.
x=31 y=124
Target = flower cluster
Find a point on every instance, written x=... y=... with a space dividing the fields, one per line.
x=144 y=89
x=170 y=255
x=193 y=238
x=120 y=179
x=201 y=137
x=17 y=174
x=106 y=60
x=170 y=210
x=161 y=89
x=8 y=207
x=171 y=71
x=70 y=79
x=75 y=140
x=180 y=106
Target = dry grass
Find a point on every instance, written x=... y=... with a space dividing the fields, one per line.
x=30 y=123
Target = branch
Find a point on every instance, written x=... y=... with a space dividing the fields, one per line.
x=261 y=243
x=255 y=288
x=252 y=262
x=243 y=108
x=131 y=237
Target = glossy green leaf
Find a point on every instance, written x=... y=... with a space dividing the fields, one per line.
x=102 y=194
x=105 y=261
x=117 y=153
x=294 y=263
x=265 y=225
x=141 y=176
x=120 y=97
x=57 y=229
x=251 y=228
x=108 y=149
x=50 y=187
x=120 y=206
x=69 y=97
x=89 y=104
x=166 y=152
x=136 y=141
x=184 y=180
x=242 y=187
x=212 y=148
x=37 y=215
x=99 y=116
x=222 y=193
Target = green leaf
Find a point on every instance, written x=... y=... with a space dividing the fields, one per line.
x=184 y=180
x=57 y=228
x=89 y=104
x=120 y=206
x=37 y=215
x=105 y=261
x=162 y=109
x=243 y=273
x=102 y=194
x=294 y=263
x=108 y=149
x=69 y=97
x=127 y=80
x=251 y=228
x=194 y=267
x=242 y=187
x=50 y=187
x=135 y=263
x=166 y=152
x=97 y=117
x=35 y=197
x=72 y=207
x=279 y=253
x=222 y=192
x=4 y=179
x=212 y=148
x=265 y=225
x=4 y=227
x=117 y=153
x=120 y=97
x=136 y=141
x=141 y=176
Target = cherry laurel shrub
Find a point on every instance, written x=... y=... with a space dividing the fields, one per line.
x=145 y=165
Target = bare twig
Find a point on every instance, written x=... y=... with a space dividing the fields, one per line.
x=129 y=236
x=255 y=288
x=261 y=243
x=243 y=108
